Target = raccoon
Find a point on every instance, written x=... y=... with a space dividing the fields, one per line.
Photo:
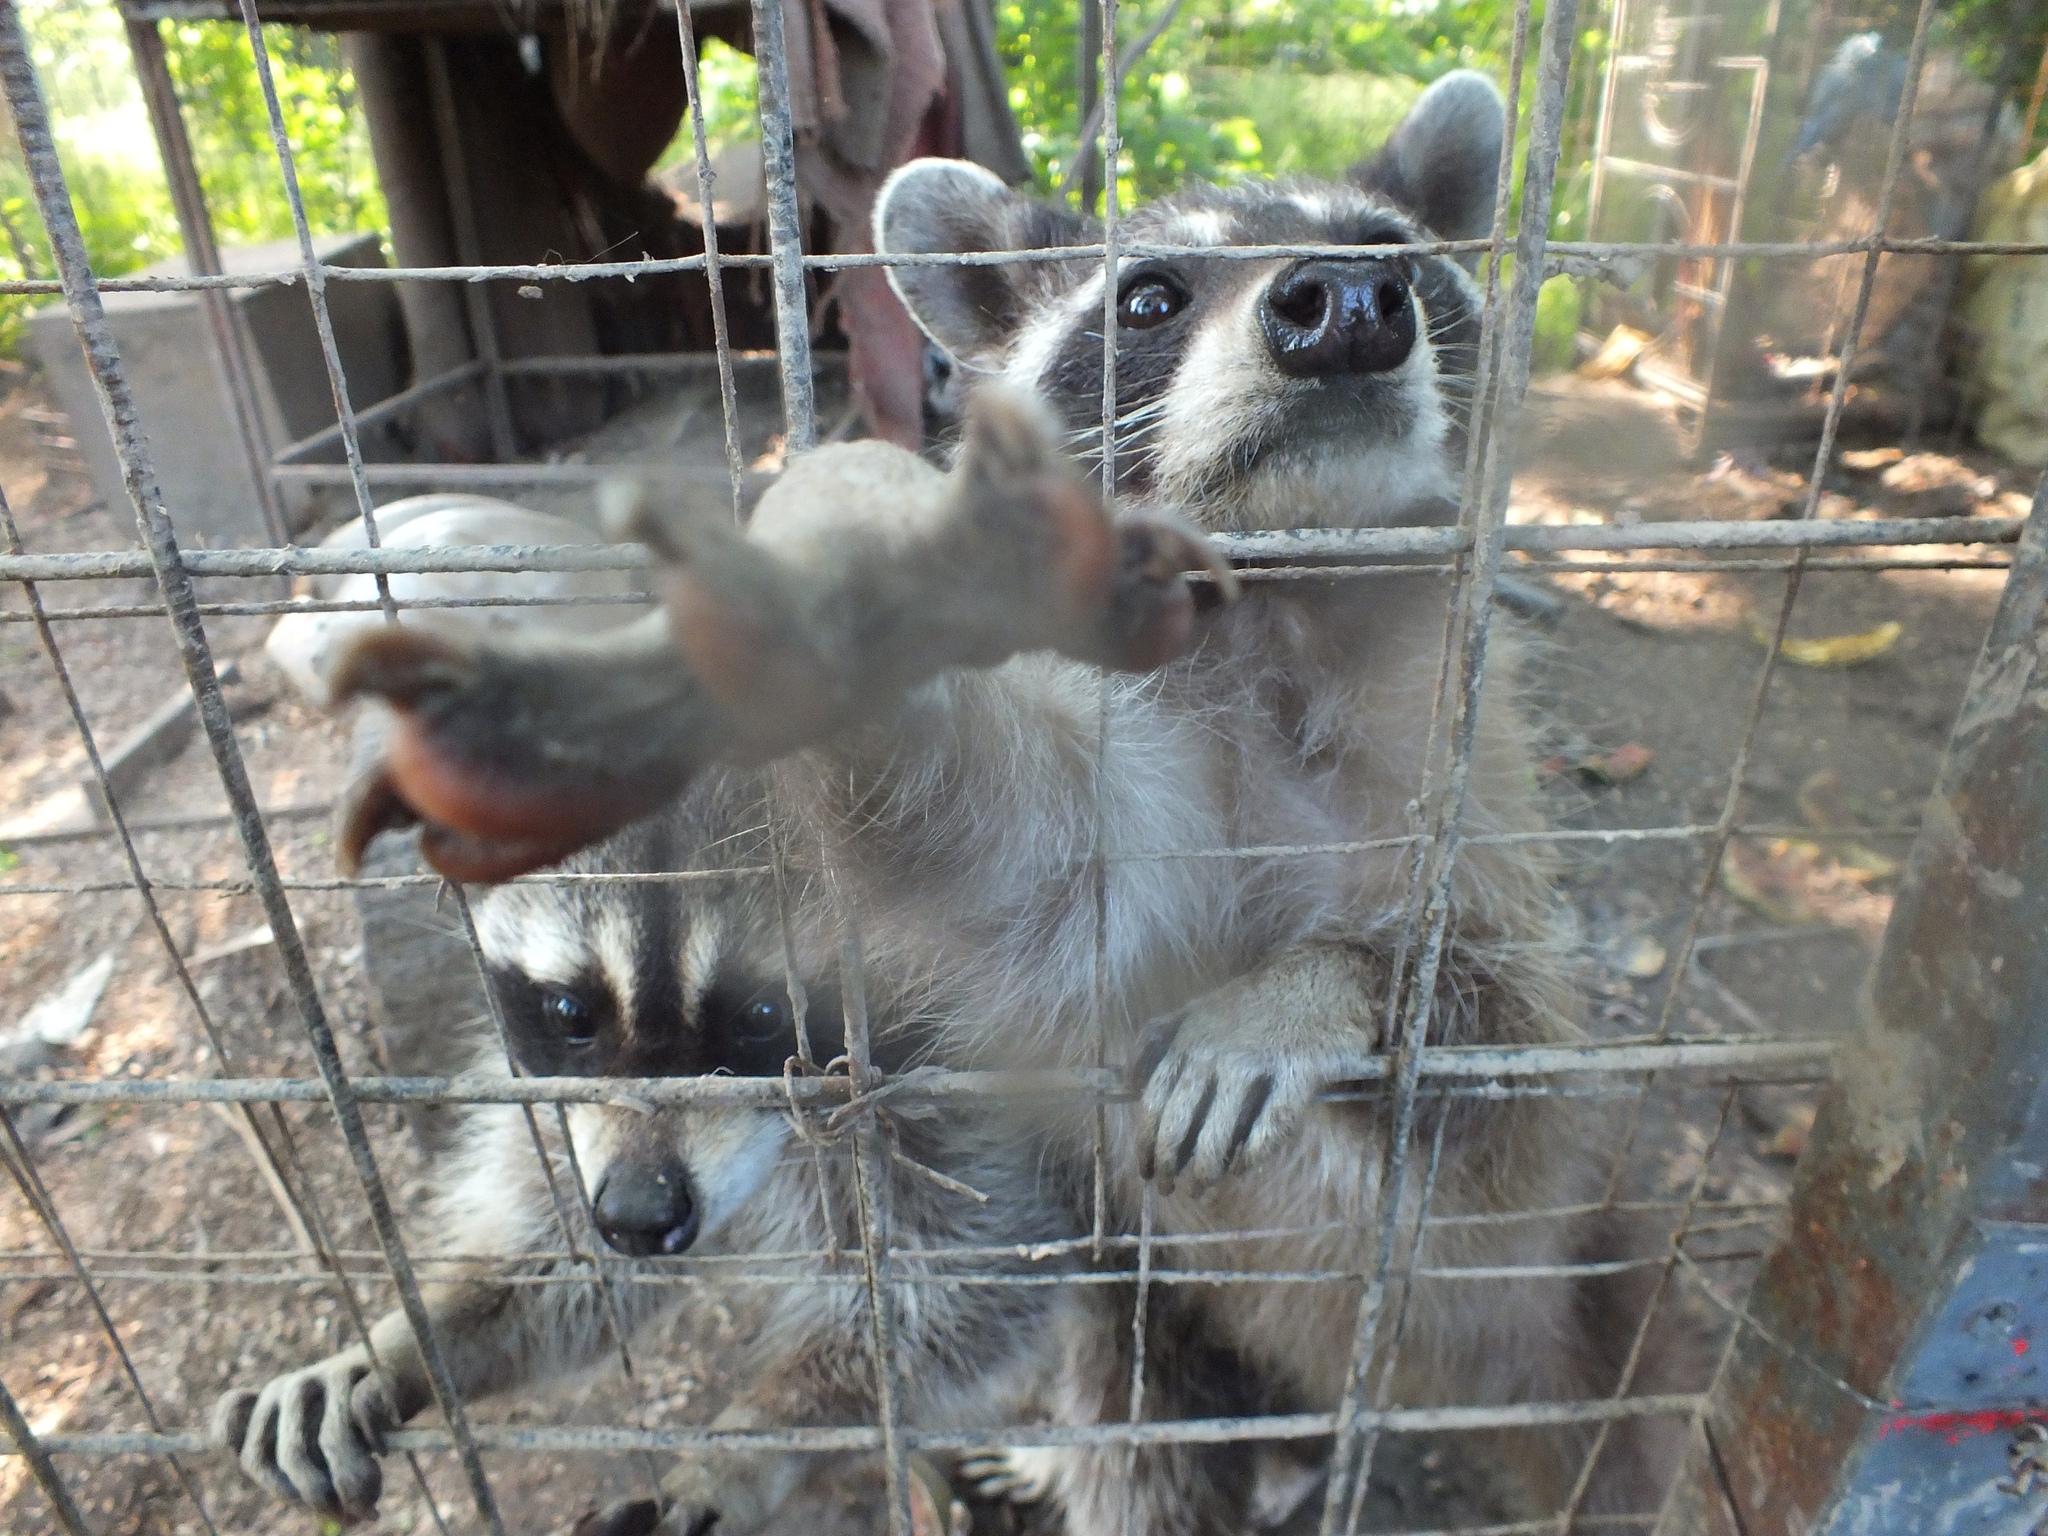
x=658 y=979
x=974 y=820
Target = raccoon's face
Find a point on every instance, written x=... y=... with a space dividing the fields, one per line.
x=658 y=979
x=1250 y=392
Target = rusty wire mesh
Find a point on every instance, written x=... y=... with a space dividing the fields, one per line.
x=1472 y=554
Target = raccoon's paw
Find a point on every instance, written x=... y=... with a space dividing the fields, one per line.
x=1215 y=1096
x=1012 y=1475
x=313 y=1436
x=634 y=1517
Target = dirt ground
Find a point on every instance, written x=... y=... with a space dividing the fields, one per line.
x=167 y=1205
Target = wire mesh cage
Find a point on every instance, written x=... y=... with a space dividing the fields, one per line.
x=259 y=1087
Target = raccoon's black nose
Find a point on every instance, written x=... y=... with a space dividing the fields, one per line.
x=1332 y=317
x=645 y=1208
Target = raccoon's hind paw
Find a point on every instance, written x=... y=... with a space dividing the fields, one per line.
x=313 y=1436
x=1006 y=1476
x=634 y=1517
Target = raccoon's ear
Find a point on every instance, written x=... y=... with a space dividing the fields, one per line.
x=1443 y=163
x=934 y=207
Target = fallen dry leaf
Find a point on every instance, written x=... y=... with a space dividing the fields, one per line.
x=1835 y=650
x=1617 y=354
x=1616 y=767
x=1772 y=886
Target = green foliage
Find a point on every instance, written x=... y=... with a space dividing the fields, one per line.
x=110 y=156
x=1557 y=325
x=727 y=78
x=1253 y=88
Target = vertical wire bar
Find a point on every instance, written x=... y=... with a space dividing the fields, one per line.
x=103 y=358
x=21 y=1168
x=298 y=1187
x=1476 y=412
x=594 y=1260
x=714 y=276
x=1490 y=507
x=1603 y=133
x=803 y=1118
x=483 y=328
x=785 y=227
x=1629 y=1365
x=17 y=1429
x=870 y=1186
x=195 y=228
x=316 y=294
x=1725 y=823
x=1383 y=1388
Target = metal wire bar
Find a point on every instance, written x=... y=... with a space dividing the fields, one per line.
x=785 y=229
x=1293 y=1426
x=1298 y=545
x=21 y=1168
x=1584 y=1481
x=1485 y=513
x=714 y=278
x=1453 y=1063
x=871 y=1214
x=1559 y=252
x=1717 y=846
x=103 y=358
x=22 y=1441
x=1758 y=1211
x=316 y=286
x=1254 y=576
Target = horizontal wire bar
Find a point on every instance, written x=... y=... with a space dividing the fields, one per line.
x=1757 y=1213
x=922 y=1277
x=313 y=812
x=1455 y=1063
x=277 y=607
x=1557 y=253
x=1293 y=1426
x=1296 y=544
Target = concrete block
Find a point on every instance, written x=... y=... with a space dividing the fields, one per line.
x=187 y=413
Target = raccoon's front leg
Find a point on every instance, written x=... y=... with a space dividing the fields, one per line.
x=1223 y=1079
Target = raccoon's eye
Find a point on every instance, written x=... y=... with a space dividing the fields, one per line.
x=765 y=1019
x=1150 y=300
x=569 y=1014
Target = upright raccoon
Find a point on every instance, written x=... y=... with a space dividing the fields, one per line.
x=1254 y=392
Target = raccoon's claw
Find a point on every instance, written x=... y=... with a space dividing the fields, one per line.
x=1209 y=1105
x=313 y=1437
x=1003 y=1477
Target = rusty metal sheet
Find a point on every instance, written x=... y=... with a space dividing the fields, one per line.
x=1886 y=1362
